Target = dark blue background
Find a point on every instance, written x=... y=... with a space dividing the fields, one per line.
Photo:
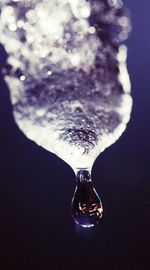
x=36 y=229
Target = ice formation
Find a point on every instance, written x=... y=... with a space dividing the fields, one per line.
x=67 y=75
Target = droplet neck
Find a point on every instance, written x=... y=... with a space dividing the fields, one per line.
x=86 y=205
x=83 y=176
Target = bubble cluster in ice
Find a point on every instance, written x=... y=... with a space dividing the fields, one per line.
x=67 y=74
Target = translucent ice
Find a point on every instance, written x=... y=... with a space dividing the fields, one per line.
x=67 y=75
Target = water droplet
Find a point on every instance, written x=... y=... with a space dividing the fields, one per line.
x=86 y=205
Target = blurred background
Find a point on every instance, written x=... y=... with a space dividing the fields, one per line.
x=36 y=187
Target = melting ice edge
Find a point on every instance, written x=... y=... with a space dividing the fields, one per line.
x=66 y=71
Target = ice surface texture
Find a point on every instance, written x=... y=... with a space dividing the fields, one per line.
x=66 y=72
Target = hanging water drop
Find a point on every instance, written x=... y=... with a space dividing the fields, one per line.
x=86 y=205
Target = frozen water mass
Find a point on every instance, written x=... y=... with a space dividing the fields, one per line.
x=66 y=71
